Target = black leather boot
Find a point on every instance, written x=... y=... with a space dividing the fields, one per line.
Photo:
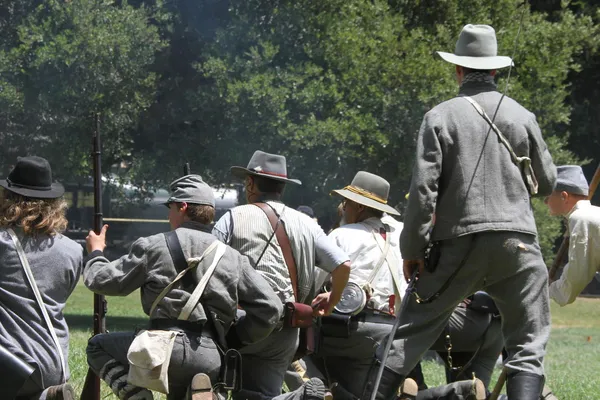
x=388 y=387
x=524 y=386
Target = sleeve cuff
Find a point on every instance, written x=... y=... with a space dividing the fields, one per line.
x=92 y=255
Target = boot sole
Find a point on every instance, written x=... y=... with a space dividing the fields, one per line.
x=409 y=390
x=68 y=392
x=479 y=389
x=201 y=387
x=61 y=392
x=547 y=394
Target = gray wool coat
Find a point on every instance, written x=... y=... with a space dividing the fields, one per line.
x=466 y=176
x=149 y=266
x=56 y=263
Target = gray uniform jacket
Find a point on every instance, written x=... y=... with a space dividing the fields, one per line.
x=468 y=179
x=149 y=266
x=56 y=264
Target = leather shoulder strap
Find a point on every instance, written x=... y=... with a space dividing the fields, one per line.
x=284 y=243
x=186 y=311
x=193 y=264
x=178 y=258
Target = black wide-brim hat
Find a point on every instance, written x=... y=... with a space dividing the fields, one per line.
x=271 y=166
x=32 y=177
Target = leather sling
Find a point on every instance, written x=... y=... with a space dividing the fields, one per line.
x=297 y=315
x=284 y=243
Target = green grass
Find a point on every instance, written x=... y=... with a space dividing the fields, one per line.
x=572 y=361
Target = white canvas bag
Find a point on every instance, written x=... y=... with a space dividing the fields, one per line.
x=150 y=352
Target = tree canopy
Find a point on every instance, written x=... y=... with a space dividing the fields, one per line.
x=336 y=86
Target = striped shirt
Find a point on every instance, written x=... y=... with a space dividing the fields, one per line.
x=247 y=229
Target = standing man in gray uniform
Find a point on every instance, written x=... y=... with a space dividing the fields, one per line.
x=248 y=229
x=485 y=234
x=151 y=267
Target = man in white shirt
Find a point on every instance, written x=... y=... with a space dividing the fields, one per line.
x=365 y=316
x=570 y=199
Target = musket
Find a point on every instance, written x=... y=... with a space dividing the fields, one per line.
x=410 y=290
x=91 y=387
x=186 y=168
x=564 y=246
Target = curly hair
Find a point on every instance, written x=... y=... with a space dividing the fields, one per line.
x=35 y=216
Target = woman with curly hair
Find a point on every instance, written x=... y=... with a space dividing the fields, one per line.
x=39 y=268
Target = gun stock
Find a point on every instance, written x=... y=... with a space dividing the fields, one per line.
x=91 y=387
x=564 y=246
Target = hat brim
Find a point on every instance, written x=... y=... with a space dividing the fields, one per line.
x=56 y=191
x=241 y=172
x=365 y=201
x=483 y=63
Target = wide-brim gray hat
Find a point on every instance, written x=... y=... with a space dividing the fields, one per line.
x=570 y=179
x=191 y=189
x=271 y=166
x=32 y=177
x=370 y=190
x=477 y=48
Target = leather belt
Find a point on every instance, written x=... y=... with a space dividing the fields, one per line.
x=188 y=327
x=374 y=317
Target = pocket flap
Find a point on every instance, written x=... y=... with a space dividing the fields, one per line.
x=150 y=349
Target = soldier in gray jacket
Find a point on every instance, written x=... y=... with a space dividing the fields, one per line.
x=485 y=233
x=32 y=207
x=149 y=266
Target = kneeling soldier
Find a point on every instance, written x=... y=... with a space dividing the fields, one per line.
x=199 y=327
x=364 y=317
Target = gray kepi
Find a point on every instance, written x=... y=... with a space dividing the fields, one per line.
x=477 y=48
x=266 y=165
x=191 y=189
x=369 y=190
x=570 y=179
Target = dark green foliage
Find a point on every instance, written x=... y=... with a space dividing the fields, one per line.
x=337 y=86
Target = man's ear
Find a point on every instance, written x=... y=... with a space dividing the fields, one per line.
x=183 y=207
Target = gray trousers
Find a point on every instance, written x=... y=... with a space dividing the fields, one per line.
x=467 y=328
x=264 y=365
x=192 y=354
x=347 y=360
x=507 y=265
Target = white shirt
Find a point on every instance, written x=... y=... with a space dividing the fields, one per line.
x=358 y=242
x=584 y=253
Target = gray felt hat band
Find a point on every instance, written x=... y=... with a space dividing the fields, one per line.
x=266 y=165
x=191 y=189
x=570 y=179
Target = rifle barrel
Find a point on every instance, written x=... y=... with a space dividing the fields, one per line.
x=91 y=387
